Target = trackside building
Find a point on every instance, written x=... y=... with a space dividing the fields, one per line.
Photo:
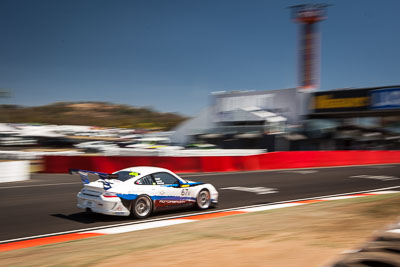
x=364 y=118
x=289 y=119
x=245 y=119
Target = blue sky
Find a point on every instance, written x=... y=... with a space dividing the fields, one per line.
x=171 y=54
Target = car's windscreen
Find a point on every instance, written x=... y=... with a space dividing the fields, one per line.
x=124 y=175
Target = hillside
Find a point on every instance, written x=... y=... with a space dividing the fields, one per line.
x=90 y=113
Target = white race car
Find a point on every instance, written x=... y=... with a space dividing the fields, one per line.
x=139 y=191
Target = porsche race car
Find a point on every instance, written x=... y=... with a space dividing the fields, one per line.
x=139 y=191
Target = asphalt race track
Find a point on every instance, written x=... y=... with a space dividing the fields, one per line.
x=47 y=203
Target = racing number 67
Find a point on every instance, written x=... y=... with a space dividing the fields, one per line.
x=185 y=192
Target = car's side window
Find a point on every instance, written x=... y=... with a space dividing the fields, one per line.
x=163 y=178
x=146 y=180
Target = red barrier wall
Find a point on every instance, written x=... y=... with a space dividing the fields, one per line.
x=267 y=161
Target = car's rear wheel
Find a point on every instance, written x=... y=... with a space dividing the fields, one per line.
x=142 y=207
x=203 y=200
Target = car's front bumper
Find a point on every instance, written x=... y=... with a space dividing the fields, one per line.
x=214 y=197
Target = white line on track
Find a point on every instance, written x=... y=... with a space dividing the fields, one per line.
x=283 y=170
x=36 y=185
x=381 y=167
x=376 y=177
x=301 y=171
x=192 y=214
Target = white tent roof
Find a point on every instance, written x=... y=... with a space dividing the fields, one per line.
x=263 y=114
x=276 y=119
x=253 y=114
x=4 y=128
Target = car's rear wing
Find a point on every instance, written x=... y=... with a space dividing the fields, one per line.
x=85 y=177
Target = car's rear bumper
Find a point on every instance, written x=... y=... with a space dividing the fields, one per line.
x=103 y=211
x=98 y=205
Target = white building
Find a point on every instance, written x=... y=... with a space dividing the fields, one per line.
x=245 y=113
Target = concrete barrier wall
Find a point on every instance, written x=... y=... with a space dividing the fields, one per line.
x=13 y=171
x=266 y=161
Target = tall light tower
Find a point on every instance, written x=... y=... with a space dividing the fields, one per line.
x=308 y=15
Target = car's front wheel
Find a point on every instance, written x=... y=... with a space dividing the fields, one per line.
x=142 y=207
x=203 y=200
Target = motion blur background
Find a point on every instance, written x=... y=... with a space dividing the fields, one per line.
x=146 y=77
x=229 y=92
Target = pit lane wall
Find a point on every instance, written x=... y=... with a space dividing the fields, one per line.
x=266 y=161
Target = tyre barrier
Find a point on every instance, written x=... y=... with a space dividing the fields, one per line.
x=14 y=171
x=266 y=161
x=382 y=251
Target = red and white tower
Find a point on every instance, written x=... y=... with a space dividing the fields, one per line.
x=307 y=16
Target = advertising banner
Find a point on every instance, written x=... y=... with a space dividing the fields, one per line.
x=341 y=101
x=385 y=98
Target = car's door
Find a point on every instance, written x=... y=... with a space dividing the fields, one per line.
x=169 y=192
